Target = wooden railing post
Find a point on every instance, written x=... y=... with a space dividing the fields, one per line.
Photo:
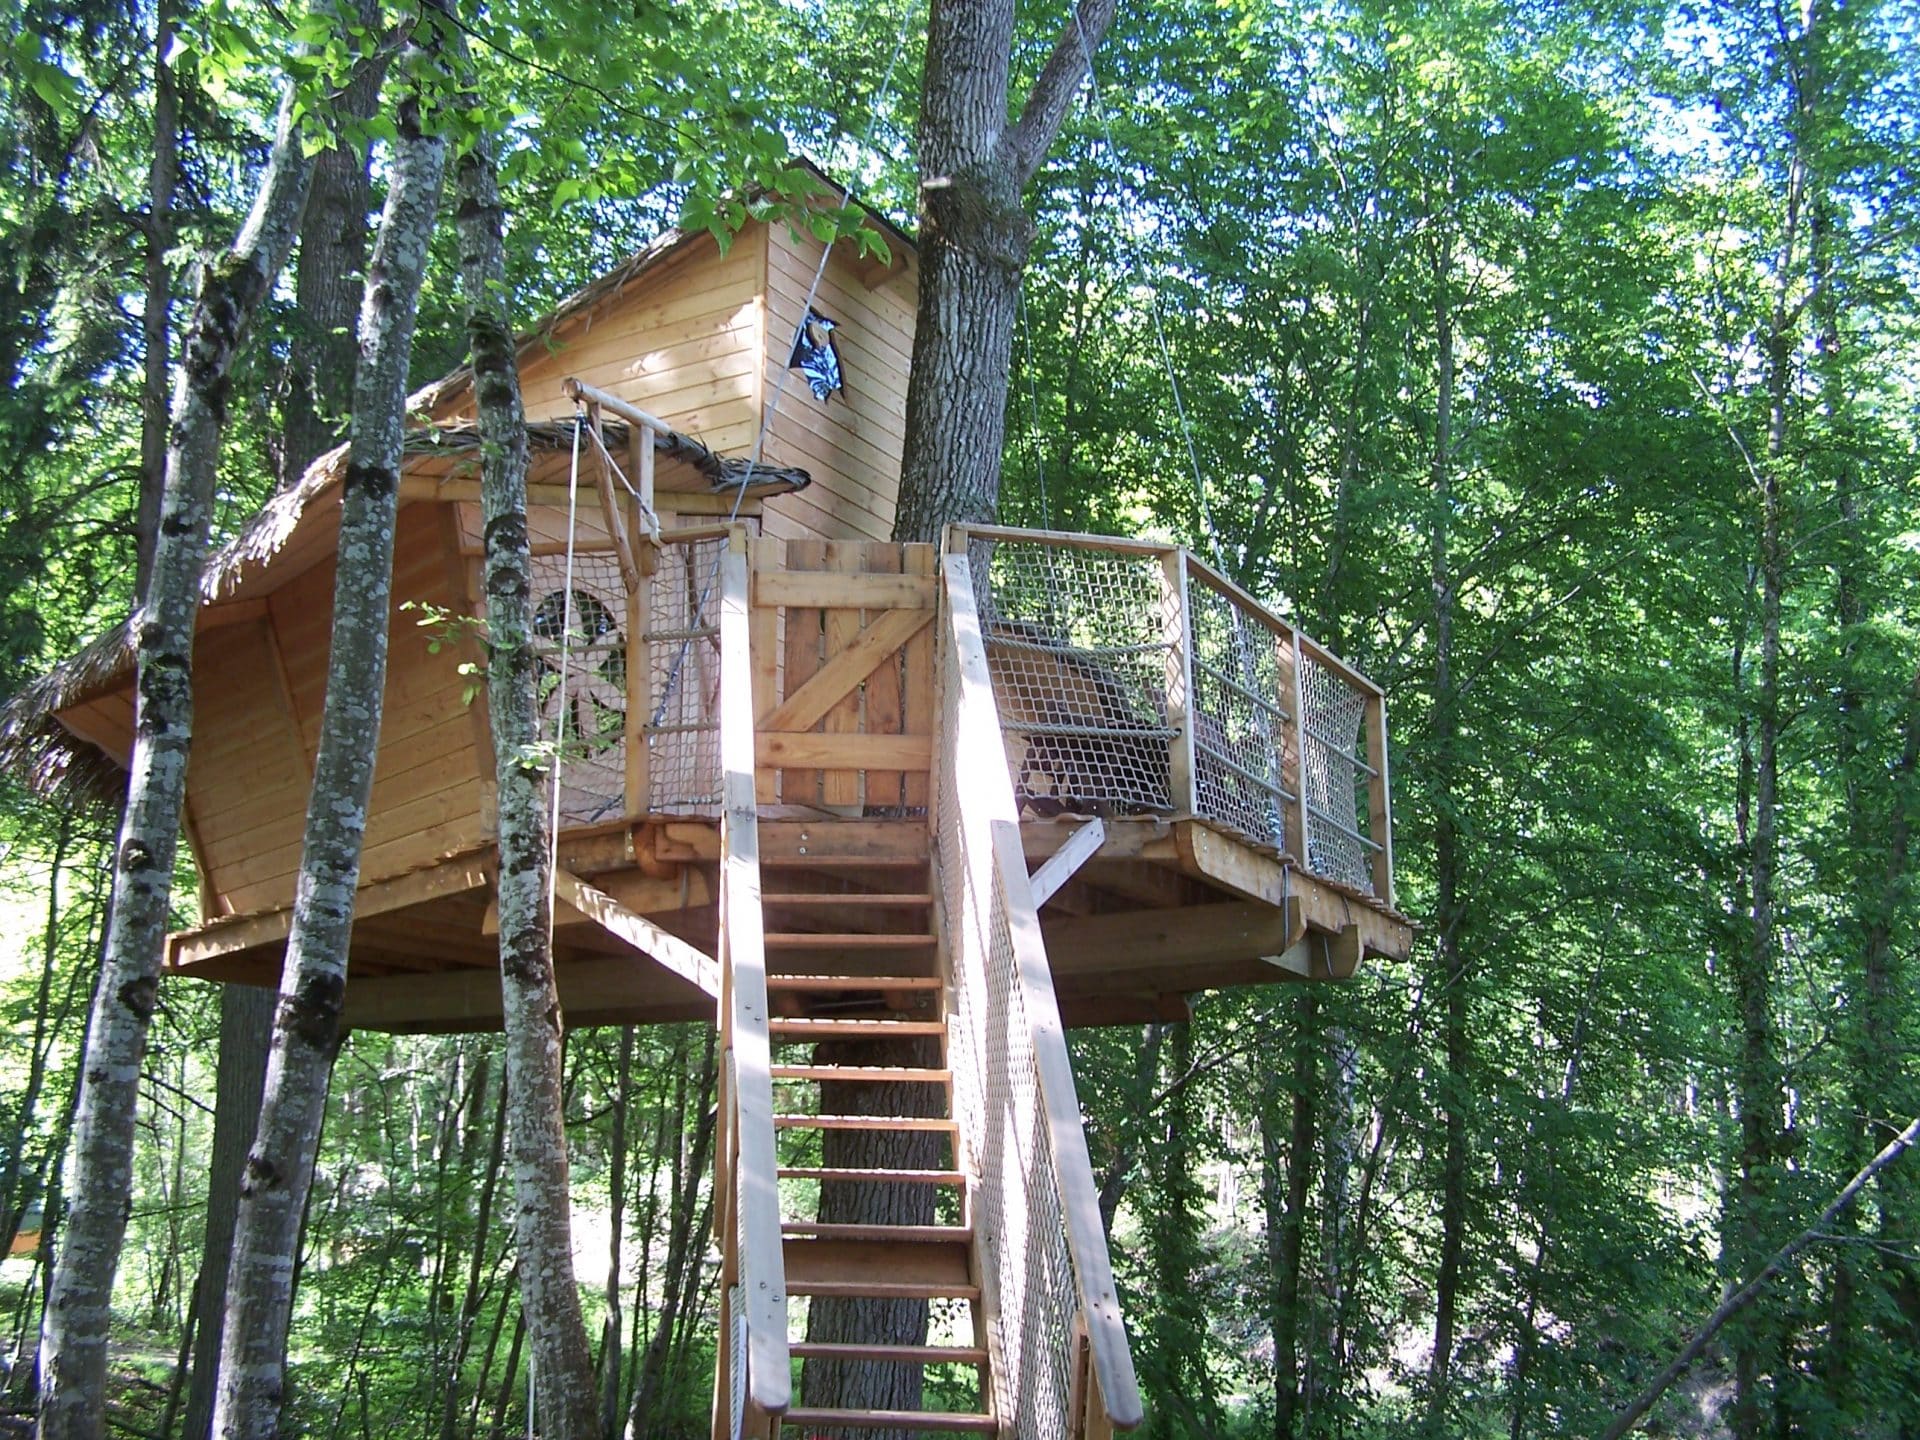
x=1380 y=801
x=1296 y=702
x=1183 y=768
x=755 y=1190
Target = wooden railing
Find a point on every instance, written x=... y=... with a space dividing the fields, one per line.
x=1060 y=1361
x=1134 y=678
x=753 y=1382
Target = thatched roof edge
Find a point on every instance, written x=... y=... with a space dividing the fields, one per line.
x=51 y=759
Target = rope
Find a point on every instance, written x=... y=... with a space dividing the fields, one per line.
x=758 y=451
x=1153 y=309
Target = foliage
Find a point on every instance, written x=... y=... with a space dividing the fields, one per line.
x=1274 y=200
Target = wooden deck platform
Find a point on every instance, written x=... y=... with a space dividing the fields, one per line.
x=1161 y=910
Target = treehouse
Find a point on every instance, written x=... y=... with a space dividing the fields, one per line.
x=829 y=791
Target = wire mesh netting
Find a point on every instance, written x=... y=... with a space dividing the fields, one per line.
x=580 y=634
x=1079 y=645
x=682 y=639
x=1334 y=779
x=1003 y=1135
x=1239 y=721
x=580 y=678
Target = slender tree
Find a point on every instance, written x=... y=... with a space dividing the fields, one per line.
x=73 y=1353
x=307 y=1025
x=543 y=1229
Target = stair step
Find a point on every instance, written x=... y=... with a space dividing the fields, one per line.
x=911 y=1234
x=905 y=1354
x=891 y=1177
x=853 y=982
x=879 y=1269
x=916 y=1420
x=843 y=940
x=863 y=1122
x=907 y=1074
x=903 y=899
x=855 y=1029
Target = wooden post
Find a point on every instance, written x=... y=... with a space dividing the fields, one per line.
x=1379 y=800
x=610 y=508
x=639 y=700
x=1296 y=702
x=762 y=1265
x=1183 y=759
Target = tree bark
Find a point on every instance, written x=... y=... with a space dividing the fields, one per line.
x=974 y=241
x=1449 y=907
x=1758 y=1078
x=543 y=1224
x=327 y=277
x=246 y=1024
x=73 y=1352
x=1285 y=1173
x=155 y=329
x=307 y=1025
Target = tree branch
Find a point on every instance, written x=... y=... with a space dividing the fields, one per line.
x=1748 y=1292
x=1046 y=107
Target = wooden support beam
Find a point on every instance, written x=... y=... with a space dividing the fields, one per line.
x=598 y=991
x=1193 y=936
x=831 y=590
x=805 y=707
x=641 y=893
x=244 y=932
x=1080 y=847
x=808 y=750
x=670 y=951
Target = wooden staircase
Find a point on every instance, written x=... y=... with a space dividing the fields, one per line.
x=858 y=1026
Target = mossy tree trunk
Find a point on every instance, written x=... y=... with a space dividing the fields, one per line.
x=73 y=1353
x=543 y=1225
x=307 y=1030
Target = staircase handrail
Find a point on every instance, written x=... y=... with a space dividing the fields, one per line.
x=991 y=835
x=756 y=1208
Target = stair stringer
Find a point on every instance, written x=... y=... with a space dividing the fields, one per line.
x=1044 y=1271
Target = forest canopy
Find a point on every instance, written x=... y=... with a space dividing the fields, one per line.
x=1557 y=365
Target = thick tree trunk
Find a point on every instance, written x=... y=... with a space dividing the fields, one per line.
x=327 y=277
x=537 y=1141
x=307 y=1027
x=974 y=239
x=73 y=1350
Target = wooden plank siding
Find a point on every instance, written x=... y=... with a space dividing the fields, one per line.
x=850 y=444
x=250 y=768
x=682 y=343
x=699 y=338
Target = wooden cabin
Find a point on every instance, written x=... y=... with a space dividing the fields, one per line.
x=814 y=785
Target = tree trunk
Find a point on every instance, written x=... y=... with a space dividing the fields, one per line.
x=610 y=1367
x=1758 y=1080
x=656 y=1386
x=327 y=277
x=307 y=1026
x=155 y=330
x=73 y=1352
x=1449 y=907
x=543 y=1224
x=974 y=239
x=246 y=1024
x=1285 y=1173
